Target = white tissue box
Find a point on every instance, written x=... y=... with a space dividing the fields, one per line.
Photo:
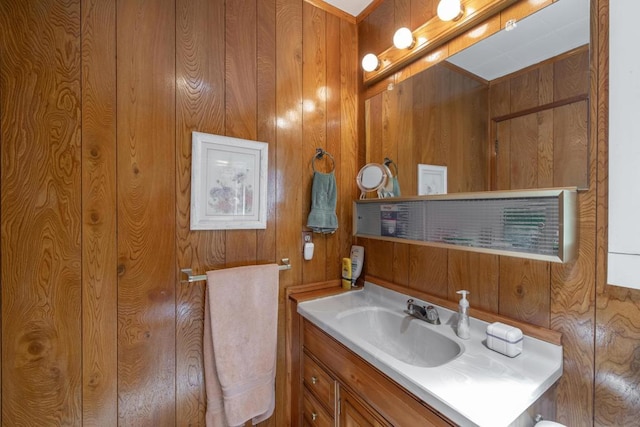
x=504 y=339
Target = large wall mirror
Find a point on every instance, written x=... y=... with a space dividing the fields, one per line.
x=508 y=112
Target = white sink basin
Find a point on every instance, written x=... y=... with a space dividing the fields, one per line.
x=401 y=336
x=462 y=379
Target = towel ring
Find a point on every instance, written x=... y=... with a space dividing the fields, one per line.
x=320 y=153
x=387 y=162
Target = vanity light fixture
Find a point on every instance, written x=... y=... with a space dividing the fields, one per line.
x=403 y=38
x=370 y=62
x=450 y=10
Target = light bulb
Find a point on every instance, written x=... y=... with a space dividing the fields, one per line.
x=450 y=10
x=403 y=38
x=370 y=62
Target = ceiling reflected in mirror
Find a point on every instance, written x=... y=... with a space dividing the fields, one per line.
x=555 y=29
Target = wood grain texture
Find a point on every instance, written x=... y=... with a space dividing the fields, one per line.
x=199 y=107
x=146 y=212
x=573 y=313
x=314 y=124
x=159 y=328
x=99 y=265
x=241 y=105
x=266 y=103
x=350 y=132
x=407 y=176
x=375 y=32
x=524 y=290
x=477 y=273
x=41 y=179
x=541 y=134
x=290 y=156
x=338 y=244
x=428 y=270
x=289 y=164
x=439 y=117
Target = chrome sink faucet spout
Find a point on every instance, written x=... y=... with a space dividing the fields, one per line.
x=427 y=313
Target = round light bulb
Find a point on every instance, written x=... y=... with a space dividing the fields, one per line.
x=370 y=62
x=449 y=10
x=403 y=38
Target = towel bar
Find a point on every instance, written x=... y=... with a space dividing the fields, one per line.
x=188 y=277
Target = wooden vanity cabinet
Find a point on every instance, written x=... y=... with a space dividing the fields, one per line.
x=365 y=396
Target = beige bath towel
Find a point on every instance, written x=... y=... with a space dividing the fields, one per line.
x=240 y=344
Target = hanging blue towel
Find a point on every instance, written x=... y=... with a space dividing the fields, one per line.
x=324 y=194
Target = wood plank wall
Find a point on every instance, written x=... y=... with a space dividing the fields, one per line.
x=598 y=321
x=98 y=104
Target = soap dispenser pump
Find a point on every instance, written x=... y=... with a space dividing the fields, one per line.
x=463 y=329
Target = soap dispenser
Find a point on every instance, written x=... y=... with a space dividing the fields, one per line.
x=463 y=329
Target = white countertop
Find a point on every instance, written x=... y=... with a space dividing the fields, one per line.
x=480 y=387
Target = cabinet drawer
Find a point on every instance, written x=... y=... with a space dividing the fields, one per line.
x=319 y=382
x=313 y=413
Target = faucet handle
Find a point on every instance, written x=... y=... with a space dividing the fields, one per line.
x=410 y=306
x=432 y=315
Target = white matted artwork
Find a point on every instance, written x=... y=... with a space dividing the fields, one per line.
x=432 y=179
x=228 y=183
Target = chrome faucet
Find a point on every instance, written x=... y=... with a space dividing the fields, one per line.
x=429 y=313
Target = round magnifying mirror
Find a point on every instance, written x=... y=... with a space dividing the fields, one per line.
x=371 y=177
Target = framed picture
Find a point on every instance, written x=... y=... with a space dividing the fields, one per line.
x=432 y=179
x=228 y=183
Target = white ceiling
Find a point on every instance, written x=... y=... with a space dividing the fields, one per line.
x=352 y=7
x=557 y=28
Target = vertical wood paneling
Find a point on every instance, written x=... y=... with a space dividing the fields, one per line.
x=402 y=12
x=241 y=105
x=290 y=158
x=314 y=123
x=407 y=176
x=350 y=127
x=333 y=93
x=146 y=212
x=524 y=292
x=428 y=270
x=479 y=274
x=439 y=116
x=524 y=152
x=374 y=129
x=200 y=106
x=141 y=337
x=266 y=102
x=573 y=314
x=40 y=117
x=375 y=33
x=570 y=127
x=99 y=278
x=290 y=161
x=422 y=11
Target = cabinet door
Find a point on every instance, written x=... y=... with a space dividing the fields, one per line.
x=354 y=413
x=624 y=152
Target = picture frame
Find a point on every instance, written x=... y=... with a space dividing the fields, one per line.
x=432 y=179
x=228 y=183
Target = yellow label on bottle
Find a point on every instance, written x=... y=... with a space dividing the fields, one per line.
x=346 y=273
